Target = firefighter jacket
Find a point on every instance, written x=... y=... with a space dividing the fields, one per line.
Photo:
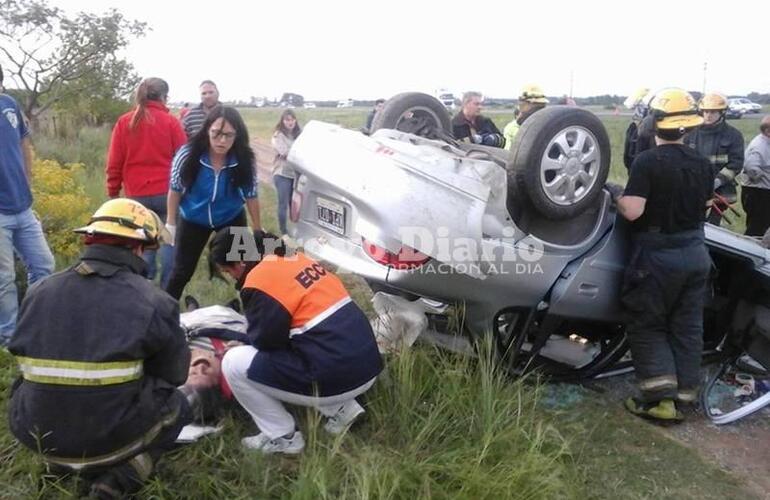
x=101 y=352
x=722 y=144
x=310 y=336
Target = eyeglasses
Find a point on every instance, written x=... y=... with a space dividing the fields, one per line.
x=218 y=134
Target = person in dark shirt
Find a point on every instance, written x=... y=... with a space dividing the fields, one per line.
x=640 y=134
x=378 y=105
x=471 y=126
x=668 y=190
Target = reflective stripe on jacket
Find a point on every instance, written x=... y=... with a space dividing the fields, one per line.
x=311 y=337
x=101 y=354
x=721 y=144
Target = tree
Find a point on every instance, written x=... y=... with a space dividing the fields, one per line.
x=57 y=58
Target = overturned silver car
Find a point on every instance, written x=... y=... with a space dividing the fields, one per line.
x=528 y=241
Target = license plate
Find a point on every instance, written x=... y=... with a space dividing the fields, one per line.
x=331 y=215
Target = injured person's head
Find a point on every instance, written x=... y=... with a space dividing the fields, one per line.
x=205 y=367
x=211 y=331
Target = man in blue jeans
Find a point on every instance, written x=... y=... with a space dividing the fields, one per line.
x=19 y=228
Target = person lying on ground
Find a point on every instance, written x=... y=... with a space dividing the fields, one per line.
x=211 y=332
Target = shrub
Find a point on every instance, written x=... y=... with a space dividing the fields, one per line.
x=61 y=204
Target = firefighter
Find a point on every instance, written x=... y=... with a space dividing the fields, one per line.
x=640 y=134
x=310 y=344
x=101 y=353
x=668 y=190
x=722 y=145
x=532 y=99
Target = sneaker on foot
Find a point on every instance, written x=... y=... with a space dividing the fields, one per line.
x=661 y=411
x=344 y=418
x=289 y=241
x=290 y=445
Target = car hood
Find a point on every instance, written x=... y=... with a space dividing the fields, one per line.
x=404 y=186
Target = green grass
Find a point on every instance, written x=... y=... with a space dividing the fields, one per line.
x=439 y=426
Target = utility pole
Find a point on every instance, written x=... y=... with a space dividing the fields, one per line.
x=571 y=81
x=705 y=68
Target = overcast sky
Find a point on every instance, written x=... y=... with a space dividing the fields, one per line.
x=336 y=49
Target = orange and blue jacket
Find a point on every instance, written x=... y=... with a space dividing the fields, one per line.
x=310 y=336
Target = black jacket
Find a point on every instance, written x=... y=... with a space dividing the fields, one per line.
x=640 y=136
x=722 y=144
x=102 y=310
x=461 y=127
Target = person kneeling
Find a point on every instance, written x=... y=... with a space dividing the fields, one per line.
x=101 y=353
x=310 y=344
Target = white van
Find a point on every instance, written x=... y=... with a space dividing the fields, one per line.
x=347 y=103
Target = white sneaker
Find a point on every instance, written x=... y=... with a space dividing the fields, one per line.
x=289 y=241
x=348 y=413
x=290 y=446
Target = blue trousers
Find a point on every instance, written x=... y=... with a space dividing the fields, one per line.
x=157 y=204
x=23 y=234
x=284 y=186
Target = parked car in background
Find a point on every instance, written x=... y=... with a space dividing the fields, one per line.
x=345 y=103
x=733 y=114
x=447 y=99
x=309 y=105
x=738 y=104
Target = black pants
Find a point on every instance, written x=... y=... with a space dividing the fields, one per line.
x=130 y=474
x=663 y=294
x=190 y=242
x=756 y=204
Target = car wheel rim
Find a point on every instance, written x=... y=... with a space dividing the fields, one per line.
x=420 y=113
x=570 y=165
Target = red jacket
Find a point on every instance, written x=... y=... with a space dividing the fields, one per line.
x=139 y=160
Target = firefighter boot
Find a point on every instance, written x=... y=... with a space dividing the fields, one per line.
x=659 y=411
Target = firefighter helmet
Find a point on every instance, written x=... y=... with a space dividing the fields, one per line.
x=674 y=109
x=127 y=219
x=713 y=102
x=639 y=98
x=533 y=94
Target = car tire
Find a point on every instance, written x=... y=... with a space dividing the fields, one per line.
x=560 y=158
x=423 y=106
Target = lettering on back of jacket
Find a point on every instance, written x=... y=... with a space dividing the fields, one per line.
x=310 y=275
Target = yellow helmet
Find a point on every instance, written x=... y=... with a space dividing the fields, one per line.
x=674 y=109
x=713 y=102
x=637 y=98
x=127 y=219
x=533 y=94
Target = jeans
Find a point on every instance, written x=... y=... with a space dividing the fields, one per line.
x=191 y=239
x=23 y=233
x=157 y=204
x=284 y=186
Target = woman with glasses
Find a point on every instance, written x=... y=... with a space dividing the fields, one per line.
x=286 y=131
x=213 y=178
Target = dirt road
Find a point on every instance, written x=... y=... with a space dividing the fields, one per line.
x=742 y=448
x=265 y=156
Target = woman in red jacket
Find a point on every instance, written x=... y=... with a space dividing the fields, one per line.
x=143 y=143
